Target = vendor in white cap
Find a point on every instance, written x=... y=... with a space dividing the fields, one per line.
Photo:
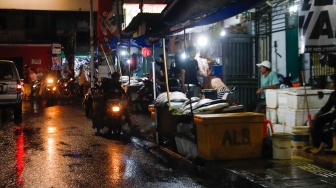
x=268 y=80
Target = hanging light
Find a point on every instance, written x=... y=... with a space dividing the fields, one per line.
x=222 y=33
x=183 y=55
x=202 y=40
x=123 y=53
x=293 y=9
x=146 y=52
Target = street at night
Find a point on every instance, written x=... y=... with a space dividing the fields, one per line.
x=56 y=147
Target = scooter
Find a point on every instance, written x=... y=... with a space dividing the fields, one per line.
x=114 y=116
x=64 y=88
x=68 y=87
x=35 y=89
x=50 y=90
x=146 y=95
x=108 y=112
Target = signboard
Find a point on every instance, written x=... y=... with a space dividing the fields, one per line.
x=56 y=49
x=56 y=63
x=317 y=26
x=36 y=61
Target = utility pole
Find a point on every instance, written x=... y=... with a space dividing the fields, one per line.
x=93 y=71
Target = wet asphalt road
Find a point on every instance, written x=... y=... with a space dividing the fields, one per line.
x=56 y=147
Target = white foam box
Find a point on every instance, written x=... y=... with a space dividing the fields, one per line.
x=316 y=98
x=271 y=114
x=183 y=145
x=271 y=96
x=288 y=129
x=298 y=117
x=282 y=115
x=282 y=98
x=278 y=128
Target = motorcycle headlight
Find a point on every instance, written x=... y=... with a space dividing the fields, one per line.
x=54 y=88
x=50 y=80
x=115 y=108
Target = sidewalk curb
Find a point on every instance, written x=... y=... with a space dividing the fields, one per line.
x=210 y=170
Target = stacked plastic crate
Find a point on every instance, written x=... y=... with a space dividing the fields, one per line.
x=287 y=108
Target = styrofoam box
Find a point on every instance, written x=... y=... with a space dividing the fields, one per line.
x=181 y=148
x=282 y=95
x=282 y=98
x=296 y=99
x=282 y=115
x=183 y=145
x=278 y=128
x=288 y=129
x=271 y=114
x=298 y=117
x=271 y=98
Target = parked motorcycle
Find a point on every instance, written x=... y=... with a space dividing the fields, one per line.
x=68 y=87
x=35 y=89
x=146 y=95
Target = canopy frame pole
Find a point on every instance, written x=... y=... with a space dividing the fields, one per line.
x=153 y=73
x=165 y=69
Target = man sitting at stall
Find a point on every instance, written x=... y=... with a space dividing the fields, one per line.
x=322 y=121
x=268 y=80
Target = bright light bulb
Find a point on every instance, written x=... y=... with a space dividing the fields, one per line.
x=293 y=8
x=222 y=33
x=128 y=61
x=202 y=41
x=184 y=55
x=123 y=53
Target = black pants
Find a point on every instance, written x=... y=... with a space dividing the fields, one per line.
x=257 y=106
x=81 y=91
x=320 y=131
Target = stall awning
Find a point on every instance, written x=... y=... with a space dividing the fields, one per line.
x=183 y=14
x=228 y=12
x=210 y=15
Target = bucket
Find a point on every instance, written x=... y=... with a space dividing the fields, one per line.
x=301 y=137
x=281 y=145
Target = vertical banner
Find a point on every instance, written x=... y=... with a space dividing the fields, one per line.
x=106 y=23
x=317 y=26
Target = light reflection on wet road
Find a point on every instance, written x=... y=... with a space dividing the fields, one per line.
x=61 y=150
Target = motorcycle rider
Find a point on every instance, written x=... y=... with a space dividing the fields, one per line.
x=110 y=88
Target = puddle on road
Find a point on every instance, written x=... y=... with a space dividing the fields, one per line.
x=78 y=155
x=31 y=139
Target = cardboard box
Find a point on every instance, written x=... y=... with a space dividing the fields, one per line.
x=229 y=135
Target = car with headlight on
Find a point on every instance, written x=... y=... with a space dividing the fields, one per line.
x=11 y=89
